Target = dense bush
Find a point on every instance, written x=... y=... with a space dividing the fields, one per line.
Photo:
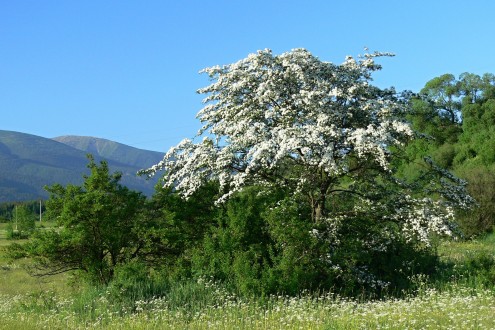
x=263 y=244
x=480 y=219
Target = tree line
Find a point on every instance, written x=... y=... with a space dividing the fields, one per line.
x=458 y=118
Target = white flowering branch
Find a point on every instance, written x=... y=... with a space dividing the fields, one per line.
x=293 y=121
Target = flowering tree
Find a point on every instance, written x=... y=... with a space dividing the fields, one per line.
x=318 y=129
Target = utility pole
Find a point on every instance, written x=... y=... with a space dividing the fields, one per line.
x=40 y=210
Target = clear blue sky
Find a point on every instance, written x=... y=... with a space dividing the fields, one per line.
x=128 y=70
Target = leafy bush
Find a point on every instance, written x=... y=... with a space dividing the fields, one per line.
x=98 y=227
x=135 y=281
x=264 y=244
x=481 y=185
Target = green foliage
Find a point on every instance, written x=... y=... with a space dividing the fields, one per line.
x=22 y=224
x=438 y=130
x=98 y=224
x=264 y=244
x=444 y=155
x=186 y=256
x=135 y=281
x=273 y=240
x=237 y=247
x=463 y=293
x=442 y=94
x=180 y=226
x=458 y=117
x=295 y=251
x=20 y=218
x=480 y=219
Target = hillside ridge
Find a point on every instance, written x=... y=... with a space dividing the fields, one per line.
x=30 y=162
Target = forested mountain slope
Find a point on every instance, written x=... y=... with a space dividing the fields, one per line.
x=111 y=150
x=29 y=162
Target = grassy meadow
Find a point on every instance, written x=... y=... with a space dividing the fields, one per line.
x=461 y=297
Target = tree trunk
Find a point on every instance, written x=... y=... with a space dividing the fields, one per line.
x=319 y=210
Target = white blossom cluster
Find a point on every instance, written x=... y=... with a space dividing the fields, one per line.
x=420 y=217
x=295 y=121
x=364 y=276
x=265 y=111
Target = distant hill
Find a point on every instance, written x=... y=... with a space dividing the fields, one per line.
x=29 y=162
x=111 y=150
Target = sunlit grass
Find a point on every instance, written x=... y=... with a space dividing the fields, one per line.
x=460 y=308
x=3 y=234
x=14 y=279
x=459 y=251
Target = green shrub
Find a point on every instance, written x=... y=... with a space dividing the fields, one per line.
x=264 y=243
x=481 y=185
x=135 y=281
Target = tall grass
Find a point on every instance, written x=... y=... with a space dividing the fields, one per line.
x=460 y=308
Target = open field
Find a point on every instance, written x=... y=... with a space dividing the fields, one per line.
x=3 y=234
x=463 y=303
x=15 y=280
x=460 y=251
